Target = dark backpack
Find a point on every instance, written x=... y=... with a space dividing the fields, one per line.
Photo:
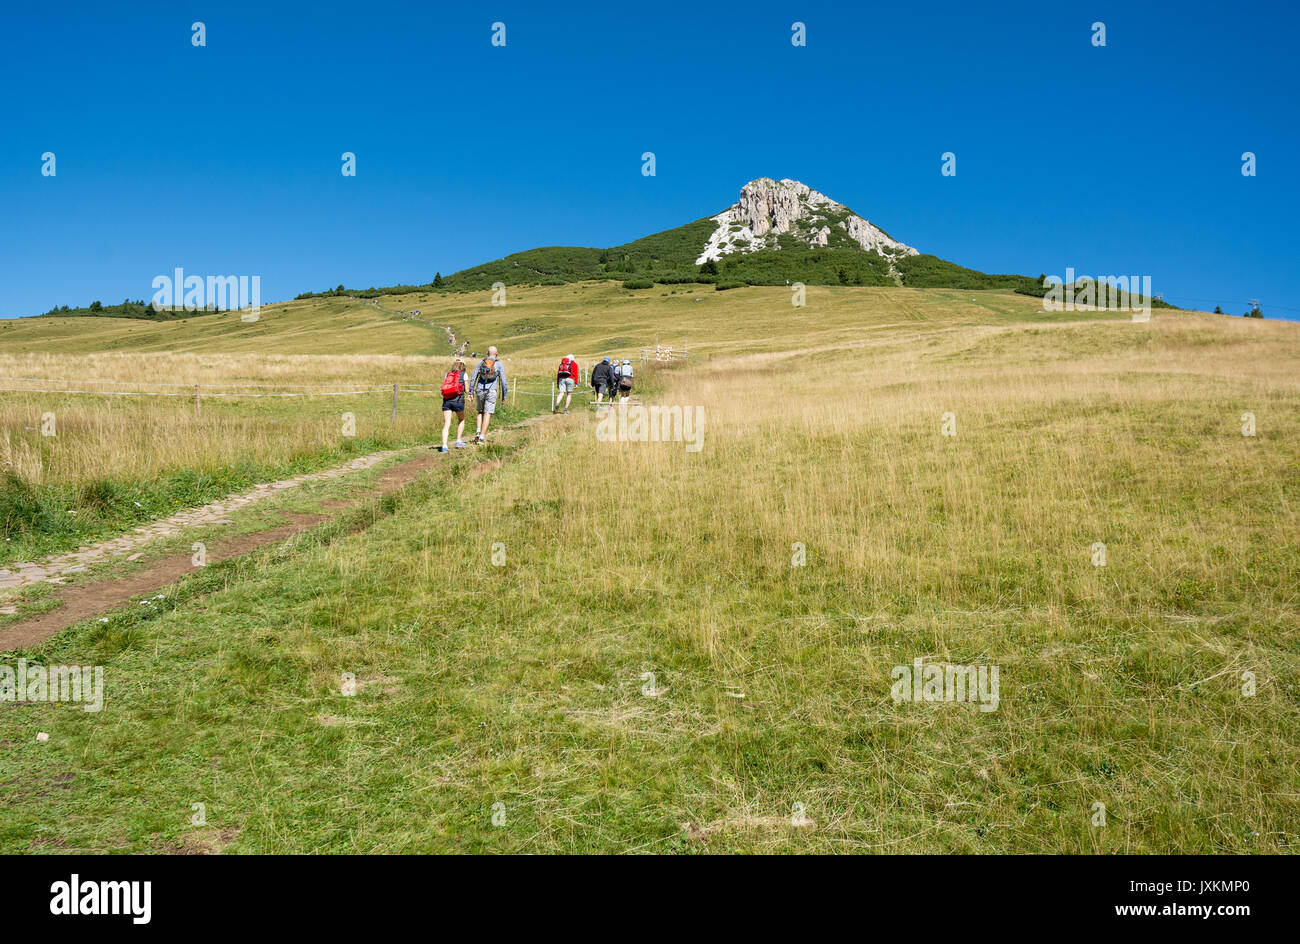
x=487 y=372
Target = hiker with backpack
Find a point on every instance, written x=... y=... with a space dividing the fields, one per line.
x=489 y=373
x=602 y=380
x=625 y=379
x=565 y=380
x=454 y=386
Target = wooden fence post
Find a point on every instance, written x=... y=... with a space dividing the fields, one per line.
x=394 y=403
x=198 y=403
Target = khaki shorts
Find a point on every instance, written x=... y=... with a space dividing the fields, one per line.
x=485 y=399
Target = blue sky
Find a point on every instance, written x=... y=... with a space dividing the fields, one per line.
x=226 y=159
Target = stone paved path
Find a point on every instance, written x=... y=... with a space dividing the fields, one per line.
x=57 y=569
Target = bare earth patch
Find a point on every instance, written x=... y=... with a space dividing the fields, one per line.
x=82 y=601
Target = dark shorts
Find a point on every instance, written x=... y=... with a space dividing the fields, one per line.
x=601 y=390
x=454 y=405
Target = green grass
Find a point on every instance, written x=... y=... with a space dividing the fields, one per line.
x=523 y=684
x=323 y=326
x=38 y=519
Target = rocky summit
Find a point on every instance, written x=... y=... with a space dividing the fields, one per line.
x=771 y=209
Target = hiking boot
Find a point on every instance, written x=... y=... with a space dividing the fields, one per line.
x=442 y=448
x=459 y=444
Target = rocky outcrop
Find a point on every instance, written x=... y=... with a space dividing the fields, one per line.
x=769 y=209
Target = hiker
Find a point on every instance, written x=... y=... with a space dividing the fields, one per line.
x=489 y=373
x=454 y=386
x=625 y=379
x=602 y=380
x=565 y=380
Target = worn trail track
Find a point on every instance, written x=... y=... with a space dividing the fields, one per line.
x=82 y=601
x=56 y=569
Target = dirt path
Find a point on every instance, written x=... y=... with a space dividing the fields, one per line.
x=80 y=602
x=55 y=569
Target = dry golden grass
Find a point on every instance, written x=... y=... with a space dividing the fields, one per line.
x=1121 y=684
x=1124 y=433
x=523 y=684
x=142 y=437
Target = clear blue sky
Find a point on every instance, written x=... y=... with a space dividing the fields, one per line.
x=226 y=159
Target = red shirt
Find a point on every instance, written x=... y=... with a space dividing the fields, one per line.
x=572 y=371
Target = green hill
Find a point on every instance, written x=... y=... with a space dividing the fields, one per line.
x=778 y=233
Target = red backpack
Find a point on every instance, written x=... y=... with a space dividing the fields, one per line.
x=452 y=385
x=565 y=371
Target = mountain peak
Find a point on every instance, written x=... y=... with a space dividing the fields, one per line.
x=770 y=209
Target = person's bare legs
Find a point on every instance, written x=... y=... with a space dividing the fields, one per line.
x=487 y=421
x=446 y=425
x=460 y=429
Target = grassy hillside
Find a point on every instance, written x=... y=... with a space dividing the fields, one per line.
x=323 y=326
x=128 y=309
x=596 y=317
x=541 y=324
x=116 y=462
x=649 y=670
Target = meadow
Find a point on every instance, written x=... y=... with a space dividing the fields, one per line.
x=137 y=436
x=128 y=442
x=567 y=644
